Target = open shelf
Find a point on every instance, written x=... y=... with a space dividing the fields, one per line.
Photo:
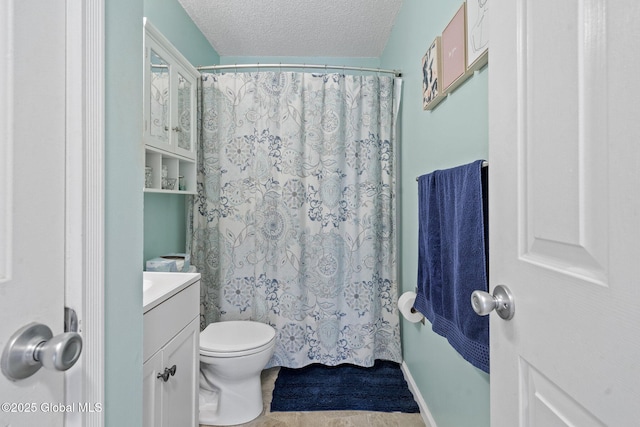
x=176 y=167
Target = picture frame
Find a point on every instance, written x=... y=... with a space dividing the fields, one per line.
x=454 y=52
x=477 y=34
x=431 y=72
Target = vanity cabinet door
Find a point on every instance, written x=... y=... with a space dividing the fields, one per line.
x=180 y=392
x=152 y=391
x=173 y=402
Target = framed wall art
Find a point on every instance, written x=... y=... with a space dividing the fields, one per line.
x=431 y=74
x=477 y=34
x=454 y=57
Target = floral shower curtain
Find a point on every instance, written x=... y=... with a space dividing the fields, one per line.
x=294 y=223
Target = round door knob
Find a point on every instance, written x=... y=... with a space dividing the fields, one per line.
x=60 y=352
x=34 y=346
x=483 y=302
x=501 y=301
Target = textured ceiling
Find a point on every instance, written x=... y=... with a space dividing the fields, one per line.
x=325 y=28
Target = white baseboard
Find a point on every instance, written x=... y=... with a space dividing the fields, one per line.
x=424 y=409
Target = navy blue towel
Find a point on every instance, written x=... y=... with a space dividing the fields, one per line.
x=452 y=261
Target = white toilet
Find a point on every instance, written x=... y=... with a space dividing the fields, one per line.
x=232 y=356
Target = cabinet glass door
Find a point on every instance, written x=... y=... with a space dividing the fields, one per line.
x=185 y=111
x=159 y=97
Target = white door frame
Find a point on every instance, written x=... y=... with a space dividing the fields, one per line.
x=84 y=260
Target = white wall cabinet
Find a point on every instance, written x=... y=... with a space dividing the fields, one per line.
x=169 y=109
x=171 y=360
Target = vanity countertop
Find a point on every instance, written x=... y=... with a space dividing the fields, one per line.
x=159 y=286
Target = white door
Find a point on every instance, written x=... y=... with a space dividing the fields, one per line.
x=564 y=112
x=32 y=196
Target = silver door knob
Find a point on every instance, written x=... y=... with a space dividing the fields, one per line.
x=501 y=301
x=34 y=346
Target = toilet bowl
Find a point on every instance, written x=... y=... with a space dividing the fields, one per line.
x=232 y=356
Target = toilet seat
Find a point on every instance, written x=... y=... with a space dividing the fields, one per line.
x=235 y=338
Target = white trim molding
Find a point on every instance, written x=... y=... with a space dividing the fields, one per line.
x=424 y=409
x=6 y=141
x=84 y=268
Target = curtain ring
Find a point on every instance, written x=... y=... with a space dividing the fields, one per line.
x=236 y=66
x=280 y=68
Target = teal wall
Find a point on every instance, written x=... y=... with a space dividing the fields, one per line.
x=454 y=133
x=123 y=213
x=164 y=224
x=164 y=214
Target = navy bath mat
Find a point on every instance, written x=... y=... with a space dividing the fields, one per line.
x=345 y=387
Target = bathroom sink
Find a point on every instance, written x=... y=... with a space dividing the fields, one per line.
x=159 y=286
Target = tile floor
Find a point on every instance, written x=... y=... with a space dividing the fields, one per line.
x=325 y=418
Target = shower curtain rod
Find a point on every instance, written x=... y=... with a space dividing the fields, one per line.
x=397 y=73
x=484 y=165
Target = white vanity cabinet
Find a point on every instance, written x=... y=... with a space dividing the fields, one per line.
x=169 y=109
x=171 y=350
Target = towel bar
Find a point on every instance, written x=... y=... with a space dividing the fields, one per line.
x=484 y=165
